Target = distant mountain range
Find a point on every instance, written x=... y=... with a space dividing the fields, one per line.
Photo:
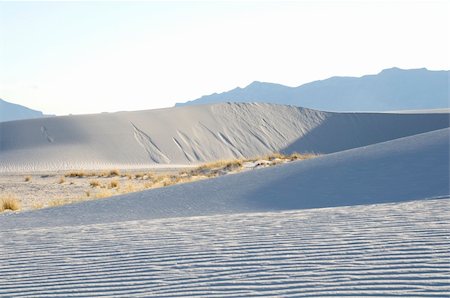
x=391 y=89
x=11 y=111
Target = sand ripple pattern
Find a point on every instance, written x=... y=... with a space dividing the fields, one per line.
x=376 y=250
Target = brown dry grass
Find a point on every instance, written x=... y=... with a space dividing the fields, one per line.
x=94 y=183
x=9 y=202
x=302 y=156
x=38 y=205
x=222 y=164
x=114 y=184
x=103 y=194
x=58 y=202
x=109 y=173
x=129 y=187
x=78 y=174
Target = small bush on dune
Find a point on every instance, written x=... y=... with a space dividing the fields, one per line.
x=27 y=178
x=110 y=173
x=274 y=156
x=114 y=184
x=94 y=183
x=57 y=202
x=148 y=184
x=77 y=174
x=103 y=194
x=37 y=205
x=300 y=156
x=222 y=164
x=114 y=173
x=9 y=202
x=128 y=187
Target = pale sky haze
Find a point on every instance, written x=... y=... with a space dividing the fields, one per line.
x=88 y=57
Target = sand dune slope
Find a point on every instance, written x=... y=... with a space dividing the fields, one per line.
x=384 y=250
x=409 y=168
x=189 y=135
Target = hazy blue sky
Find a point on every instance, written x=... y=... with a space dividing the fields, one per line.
x=84 y=57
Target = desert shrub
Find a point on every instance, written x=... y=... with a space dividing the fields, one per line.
x=37 y=205
x=274 y=156
x=110 y=173
x=94 y=183
x=76 y=174
x=234 y=163
x=128 y=187
x=57 y=202
x=103 y=194
x=9 y=202
x=148 y=184
x=302 y=156
x=114 y=184
x=27 y=178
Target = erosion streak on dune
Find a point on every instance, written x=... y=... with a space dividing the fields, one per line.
x=146 y=142
x=399 y=249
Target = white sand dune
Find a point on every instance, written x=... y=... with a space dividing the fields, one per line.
x=409 y=168
x=156 y=244
x=384 y=250
x=190 y=135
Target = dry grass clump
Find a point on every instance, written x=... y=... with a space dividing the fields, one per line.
x=76 y=174
x=110 y=173
x=148 y=184
x=129 y=176
x=94 y=183
x=27 y=178
x=37 y=205
x=300 y=156
x=222 y=164
x=274 y=156
x=217 y=168
x=113 y=173
x=144 y=176
x=62 y=180
x=57 y=202
x=129 y=187
x=114 y=184
x=9 y=202
x=103 y=194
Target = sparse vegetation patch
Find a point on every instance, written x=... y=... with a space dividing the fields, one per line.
x=9 y=202
x=79 y=185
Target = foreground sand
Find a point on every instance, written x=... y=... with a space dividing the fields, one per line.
x=399 y=249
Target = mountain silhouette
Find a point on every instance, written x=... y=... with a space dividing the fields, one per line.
x=10 y=111
x=391 y=89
